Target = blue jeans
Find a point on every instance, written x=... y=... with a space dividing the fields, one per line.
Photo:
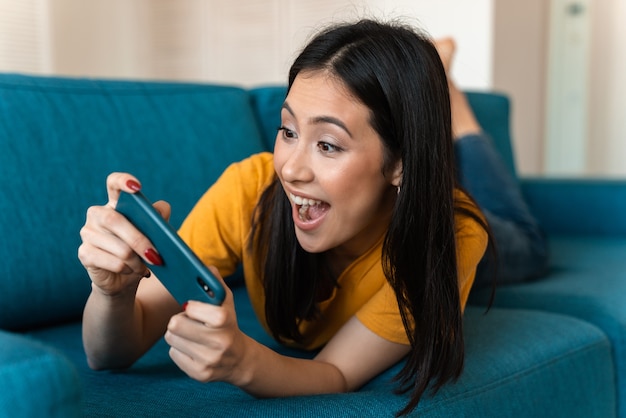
x=521 y=247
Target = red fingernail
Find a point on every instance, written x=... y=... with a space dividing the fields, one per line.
x=133 y=185
x=185 y=306
x=153 y=257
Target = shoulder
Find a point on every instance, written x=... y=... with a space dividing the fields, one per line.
x=461 y=198
x=258 y=167
x=238 y=188
x=470 y=223
x=466 y=209
x=261 y=162
x=471 y=241
x=249 y=176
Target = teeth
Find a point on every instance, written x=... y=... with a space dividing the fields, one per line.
x=303 y=201
x=302 y=212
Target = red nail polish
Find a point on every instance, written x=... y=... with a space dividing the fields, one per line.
x=153 y=257
x=185 y=306
x=133 y=185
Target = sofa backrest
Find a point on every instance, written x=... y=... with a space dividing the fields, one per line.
x=60 y=138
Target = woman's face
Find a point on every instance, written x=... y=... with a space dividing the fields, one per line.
x=329 y=160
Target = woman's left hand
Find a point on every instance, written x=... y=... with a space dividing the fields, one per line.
x=205 y=340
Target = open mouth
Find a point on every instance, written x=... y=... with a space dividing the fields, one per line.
x=309 y=209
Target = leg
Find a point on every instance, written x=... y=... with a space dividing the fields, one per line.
x=521 y=247
x=520 y=244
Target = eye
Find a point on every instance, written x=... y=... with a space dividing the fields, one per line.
x=327 y=148
x=287 y=133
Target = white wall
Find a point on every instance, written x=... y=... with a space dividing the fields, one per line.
x=208 y=39
x=97 y=38
x=469 y=22
x=519 y=68
x=607 y=90
x=23 y=36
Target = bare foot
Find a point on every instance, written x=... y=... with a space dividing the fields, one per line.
x=463 y=120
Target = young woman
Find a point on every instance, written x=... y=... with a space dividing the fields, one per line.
x=353 y=233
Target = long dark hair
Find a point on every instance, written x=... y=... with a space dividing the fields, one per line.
x=396 y=72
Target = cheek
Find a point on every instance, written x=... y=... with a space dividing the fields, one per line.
x=356 y=191
x=279 y=157
x=277 y=141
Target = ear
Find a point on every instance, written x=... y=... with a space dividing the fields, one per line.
x=396 y=174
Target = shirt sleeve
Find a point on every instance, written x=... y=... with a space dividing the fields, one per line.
x=381 y=315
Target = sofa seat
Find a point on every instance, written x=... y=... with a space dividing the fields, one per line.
x=587 y=280
x=30 y=367
x=519 y=363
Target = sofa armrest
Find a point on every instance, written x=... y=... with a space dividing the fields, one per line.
x=577 y=206
x=36 y=380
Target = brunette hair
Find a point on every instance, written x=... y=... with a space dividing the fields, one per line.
x=397 y=73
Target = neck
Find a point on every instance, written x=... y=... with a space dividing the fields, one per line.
x=340 y=258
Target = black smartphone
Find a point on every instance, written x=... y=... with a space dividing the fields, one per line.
x=182 y=273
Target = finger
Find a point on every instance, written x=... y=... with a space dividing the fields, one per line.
x=163 y=208
x=107 y=251
x=198 y=351
x=199 y=371
x=211 y=316
x=117 y=182
x=108 y=221
x=95 y=258
x=194 y=339
x=182 y=328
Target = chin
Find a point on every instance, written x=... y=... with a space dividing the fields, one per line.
x=311 y=245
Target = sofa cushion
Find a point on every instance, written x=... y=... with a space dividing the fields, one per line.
x=36 y=380
x=60 y=138
x=519 y=363
x=587 y=280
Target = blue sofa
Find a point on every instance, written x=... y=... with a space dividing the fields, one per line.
x=552 y=348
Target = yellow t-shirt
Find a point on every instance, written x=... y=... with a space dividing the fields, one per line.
x=218 y=230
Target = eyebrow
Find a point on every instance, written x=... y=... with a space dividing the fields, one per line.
x=321 y=119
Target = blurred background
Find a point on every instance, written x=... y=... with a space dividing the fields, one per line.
x=562 y=62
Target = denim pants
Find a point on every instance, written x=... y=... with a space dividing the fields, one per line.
x=521 y=248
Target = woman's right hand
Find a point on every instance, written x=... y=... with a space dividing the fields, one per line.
x=111 y=244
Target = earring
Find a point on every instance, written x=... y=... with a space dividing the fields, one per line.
x=398 y=190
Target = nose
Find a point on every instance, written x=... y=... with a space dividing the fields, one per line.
x=297 y=163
